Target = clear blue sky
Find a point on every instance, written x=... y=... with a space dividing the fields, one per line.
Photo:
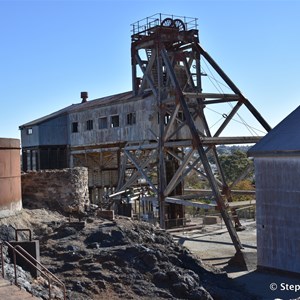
x=53 y=50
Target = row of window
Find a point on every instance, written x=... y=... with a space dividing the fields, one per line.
x=112 y=122
x=106 y=122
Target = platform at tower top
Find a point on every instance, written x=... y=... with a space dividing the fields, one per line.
x=142 y=26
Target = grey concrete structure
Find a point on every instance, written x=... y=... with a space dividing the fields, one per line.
x=277 y=173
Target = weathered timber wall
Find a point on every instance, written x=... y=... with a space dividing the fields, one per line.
x=145 y=128
x=65 y=190
x=50 y=132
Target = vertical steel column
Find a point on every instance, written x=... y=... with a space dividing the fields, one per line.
x=133 y=71
x=198 y=72
x=161 y=155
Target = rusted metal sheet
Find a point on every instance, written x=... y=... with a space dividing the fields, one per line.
x=10 y=177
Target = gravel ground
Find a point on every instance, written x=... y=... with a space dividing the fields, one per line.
x=213 y=245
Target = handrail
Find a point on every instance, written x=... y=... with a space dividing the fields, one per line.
x=22 y=229
x=44 y=271
x=143 y=25
x=2 y=260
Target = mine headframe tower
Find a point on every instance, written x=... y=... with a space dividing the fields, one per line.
x=166 y=60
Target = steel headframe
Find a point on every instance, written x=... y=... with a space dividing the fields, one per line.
x=166 y=60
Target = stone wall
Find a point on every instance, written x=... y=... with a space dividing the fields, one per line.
x=64 y=190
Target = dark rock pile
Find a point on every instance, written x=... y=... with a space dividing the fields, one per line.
x=121 y=259
x=127 y=259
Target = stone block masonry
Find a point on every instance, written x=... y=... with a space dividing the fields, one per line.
x=64 y=190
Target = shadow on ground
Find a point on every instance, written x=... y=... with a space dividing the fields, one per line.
x=215 y=248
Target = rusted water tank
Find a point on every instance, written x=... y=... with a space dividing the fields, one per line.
x=10 y=177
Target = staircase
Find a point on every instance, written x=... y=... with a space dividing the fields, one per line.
x=10 y=291
x=154 y=67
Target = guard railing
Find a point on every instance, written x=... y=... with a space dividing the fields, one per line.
x=18 y=250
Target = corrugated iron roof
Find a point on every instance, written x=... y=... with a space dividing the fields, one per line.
x=284 y=139
x=60 y=112
x=81 y=106
x=102 y=101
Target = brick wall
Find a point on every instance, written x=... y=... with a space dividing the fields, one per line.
x=64 y=190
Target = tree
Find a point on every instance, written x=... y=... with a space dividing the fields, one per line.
x=234 y=165
x=193 y=180
x=243 y=185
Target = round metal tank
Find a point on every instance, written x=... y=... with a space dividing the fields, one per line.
x=10 y=177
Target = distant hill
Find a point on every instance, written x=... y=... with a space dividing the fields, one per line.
x=228 y=150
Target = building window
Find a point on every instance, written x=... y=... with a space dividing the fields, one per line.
x=167 y=118
x=89 y=125
x=33 y=160
x=29 y=131
x=103 y=123
x=114 y=121
x=28 y=157
x=181 y=116
x=75 y=127
x=131 y=119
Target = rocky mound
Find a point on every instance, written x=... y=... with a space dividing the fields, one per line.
x=125 y=259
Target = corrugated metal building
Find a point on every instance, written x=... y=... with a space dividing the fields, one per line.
x=277 y=173
x=45 y=142
x=92 y=134
x=115 y=119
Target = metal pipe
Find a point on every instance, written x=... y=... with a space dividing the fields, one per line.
x=32 y=264
x=15 y=266
x=2 y=260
